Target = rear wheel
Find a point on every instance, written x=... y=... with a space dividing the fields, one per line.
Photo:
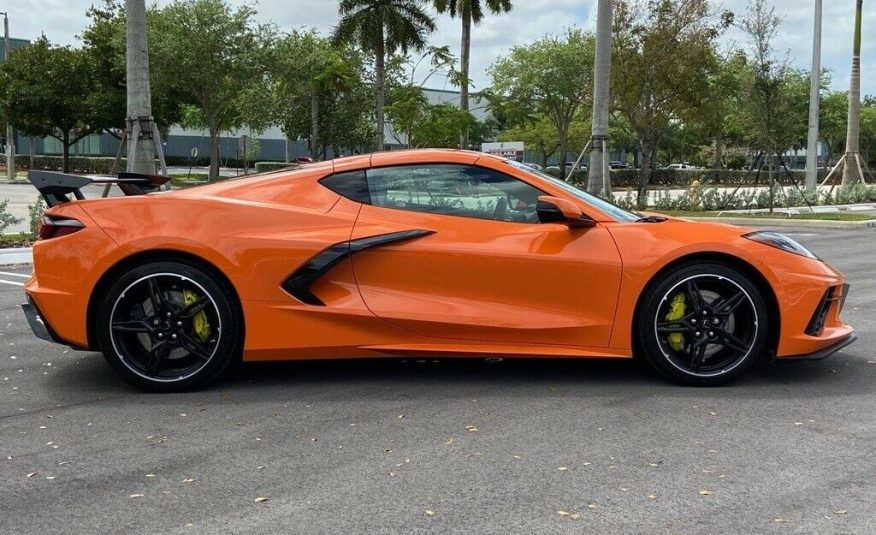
x=169 y=326
x=704 y=324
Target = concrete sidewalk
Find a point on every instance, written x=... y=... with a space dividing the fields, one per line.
x=15 y=256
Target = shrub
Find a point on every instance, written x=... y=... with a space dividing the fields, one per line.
x=682 y=178
x=6 y=219
x=35 y=212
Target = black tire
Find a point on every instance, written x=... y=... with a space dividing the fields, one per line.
x=707 y=341
x=169 y=326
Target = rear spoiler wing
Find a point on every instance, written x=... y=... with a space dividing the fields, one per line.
x=56 y=187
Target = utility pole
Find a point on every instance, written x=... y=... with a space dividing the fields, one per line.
x=598 y=180
x=141 y=131
x=814 y=103
x=10 y=143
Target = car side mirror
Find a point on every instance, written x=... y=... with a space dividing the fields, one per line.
x=556 y=210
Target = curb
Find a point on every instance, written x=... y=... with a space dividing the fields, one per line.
x=16 y=255
x=789 y=223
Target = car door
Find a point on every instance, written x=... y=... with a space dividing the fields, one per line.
x=463 y=256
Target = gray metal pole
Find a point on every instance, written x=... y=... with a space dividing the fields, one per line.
x=141 y=148
x=814 y=104
x=601 y=74
x=10 y=143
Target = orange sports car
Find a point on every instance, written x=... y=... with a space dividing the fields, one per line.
x=428 y=252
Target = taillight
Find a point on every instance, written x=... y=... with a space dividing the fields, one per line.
x=54 y=227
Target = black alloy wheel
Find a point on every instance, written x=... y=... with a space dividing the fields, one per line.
x=169 y=326
x=704 y=324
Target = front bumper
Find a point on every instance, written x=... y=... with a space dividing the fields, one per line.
x=827 y=351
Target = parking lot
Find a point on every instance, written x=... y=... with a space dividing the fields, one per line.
x=446 y=446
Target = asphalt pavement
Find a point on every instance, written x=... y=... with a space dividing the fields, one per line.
x=447 y=446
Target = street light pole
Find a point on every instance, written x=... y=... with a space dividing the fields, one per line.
x=10 y=143
x=814 y=105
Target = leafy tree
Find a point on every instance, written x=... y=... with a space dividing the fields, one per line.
x=439 y=126
x=663 y=54
x=868 y=133
x=832 y=122
x=380 y=28
x=551 y=77
x=47 y=88
x=717 y=121
x=407 y=104
x=776 y=101
x=469 y=11
x=309 y=72
x=217 y=56
x=539 y=138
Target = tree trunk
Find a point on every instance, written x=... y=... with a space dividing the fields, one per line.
x=65 y=141
x=771 y=183
x=465 y=53
x=851 y=173
x=601 y=73
x=380 y=67
x=314 y=123
x=138 y=89
x=214 y=153
x=719 y=150
x=648 y=155
x=564 y=147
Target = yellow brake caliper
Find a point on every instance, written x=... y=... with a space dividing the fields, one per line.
x=199 y=320
x=676 y=311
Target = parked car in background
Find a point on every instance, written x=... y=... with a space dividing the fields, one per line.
x=618 y=165
x=556 y=168
x=683 y=165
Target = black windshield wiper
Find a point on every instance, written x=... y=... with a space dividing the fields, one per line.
x=652 y=219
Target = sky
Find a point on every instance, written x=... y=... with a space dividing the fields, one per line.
x=62 y=20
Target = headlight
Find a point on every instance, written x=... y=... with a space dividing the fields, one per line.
x=780 y=241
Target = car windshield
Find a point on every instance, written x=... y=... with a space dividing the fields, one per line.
x=611 y=209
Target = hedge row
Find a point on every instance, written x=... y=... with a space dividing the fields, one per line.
x=620 y=178
x=102 y=165
x=261 y=167
x=629 y=178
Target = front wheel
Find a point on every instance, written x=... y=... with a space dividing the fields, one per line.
x=169 y=326
x=704 y=324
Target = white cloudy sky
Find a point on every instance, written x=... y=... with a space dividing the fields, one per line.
x=62 y=20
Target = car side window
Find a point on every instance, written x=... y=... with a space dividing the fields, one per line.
x=456 y=190
x=351 y=184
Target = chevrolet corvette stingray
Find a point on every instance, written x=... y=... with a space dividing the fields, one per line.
x=425 y=252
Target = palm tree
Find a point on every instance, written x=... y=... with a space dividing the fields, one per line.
x=597 y=181
x=852 y=160
x=469 y=11
x=139 y=94
x=381 y=28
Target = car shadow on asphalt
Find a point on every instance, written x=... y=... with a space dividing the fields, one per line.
x=445 y=378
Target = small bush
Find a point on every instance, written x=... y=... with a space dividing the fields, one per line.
x=682 y=178
x=35 y=212
x=7 y=219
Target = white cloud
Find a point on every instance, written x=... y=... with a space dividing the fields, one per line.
x=62 y=20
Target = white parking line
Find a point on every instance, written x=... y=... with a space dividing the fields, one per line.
x=11 y=282
x=22 y=275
